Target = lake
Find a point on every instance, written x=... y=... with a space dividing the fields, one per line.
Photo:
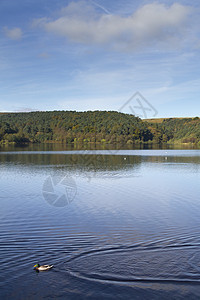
x=116 y=224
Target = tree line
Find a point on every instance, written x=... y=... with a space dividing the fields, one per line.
x=94 y=127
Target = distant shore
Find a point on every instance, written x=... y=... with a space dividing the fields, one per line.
x=96 y=127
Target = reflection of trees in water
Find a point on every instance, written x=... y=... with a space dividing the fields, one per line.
x=65 y=147
x=98 y=162
x=172 y=159
x=71 y=161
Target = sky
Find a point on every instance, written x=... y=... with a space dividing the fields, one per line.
x=133 y=56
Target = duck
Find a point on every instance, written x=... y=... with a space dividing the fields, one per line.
x=37 y=267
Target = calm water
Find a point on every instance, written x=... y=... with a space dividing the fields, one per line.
x=115 y=224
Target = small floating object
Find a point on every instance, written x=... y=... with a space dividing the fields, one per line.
x=37 y=267
x=124 y=158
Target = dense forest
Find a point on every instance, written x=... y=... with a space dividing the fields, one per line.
x=94 y=127
x=175 y=130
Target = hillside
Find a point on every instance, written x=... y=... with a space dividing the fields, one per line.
x=72 y=126
x=183 y=130
x=94 y=127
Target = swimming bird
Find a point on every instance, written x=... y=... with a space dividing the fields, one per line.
x=37 y=267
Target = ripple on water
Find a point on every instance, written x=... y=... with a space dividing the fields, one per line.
x=151 y=263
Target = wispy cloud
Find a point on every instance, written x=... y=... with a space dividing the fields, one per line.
x=101 y=7
x=150 y=25
x=13 y=33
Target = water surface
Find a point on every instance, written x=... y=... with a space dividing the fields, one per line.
x=116 y=224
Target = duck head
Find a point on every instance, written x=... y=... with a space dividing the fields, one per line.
x=36 y=266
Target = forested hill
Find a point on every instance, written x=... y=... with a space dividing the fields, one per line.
x=72 y=126
x=183 y=130
x=94 y=127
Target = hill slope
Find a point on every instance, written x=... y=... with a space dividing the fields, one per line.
x=185 y=130
x=95 y=127
x=72 y=126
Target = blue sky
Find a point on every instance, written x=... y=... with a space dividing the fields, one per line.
x=95 y=55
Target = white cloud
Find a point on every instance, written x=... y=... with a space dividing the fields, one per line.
x=39 y=22
x=150 y=25
x=14 y=33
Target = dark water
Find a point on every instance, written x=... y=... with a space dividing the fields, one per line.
x=115 y=224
